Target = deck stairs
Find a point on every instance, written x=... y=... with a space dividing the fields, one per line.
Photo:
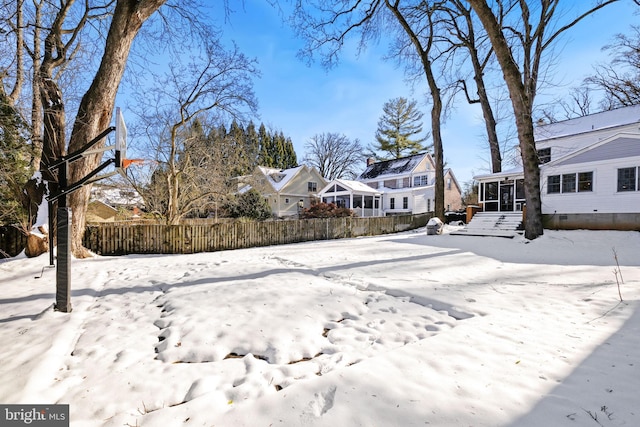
x=496 y=224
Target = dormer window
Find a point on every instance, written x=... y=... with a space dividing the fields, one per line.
x=277 y=177
x=544 y=155
x=420 y=181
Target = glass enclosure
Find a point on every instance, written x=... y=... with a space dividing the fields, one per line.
x=502 y=196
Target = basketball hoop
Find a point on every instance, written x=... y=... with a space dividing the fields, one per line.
x=128 y=162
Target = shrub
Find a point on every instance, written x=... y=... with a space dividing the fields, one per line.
x=249 y=205
x=326 y=210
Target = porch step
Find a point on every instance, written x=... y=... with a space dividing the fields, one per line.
x=497 y=224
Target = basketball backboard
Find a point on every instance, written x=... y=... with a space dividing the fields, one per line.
x=121 y=139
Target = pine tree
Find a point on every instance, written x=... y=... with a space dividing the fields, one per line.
x=399 y=123
x=252 y=146
x=236 y=141
x=15 y=156
x=290 y=157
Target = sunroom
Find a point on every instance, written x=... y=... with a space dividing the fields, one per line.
x=501 y=192
x=362 y=199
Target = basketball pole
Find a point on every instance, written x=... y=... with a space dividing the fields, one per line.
x=64 y=214
x=63 y=235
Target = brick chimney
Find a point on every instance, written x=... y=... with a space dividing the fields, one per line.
x=370 y=161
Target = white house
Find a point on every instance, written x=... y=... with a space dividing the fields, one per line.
x=589 y=173
x=398 y=186
x=362 y=199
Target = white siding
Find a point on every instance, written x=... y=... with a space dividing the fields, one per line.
x=419 y=203
x=603 y=199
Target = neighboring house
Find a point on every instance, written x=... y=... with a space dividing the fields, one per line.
x=99 y=211
x=354 y=195
x=398 y=186
x=110 y=203
x=589 y=173
x=287 y=190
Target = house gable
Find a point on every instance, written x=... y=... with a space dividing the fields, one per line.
x=618 y=147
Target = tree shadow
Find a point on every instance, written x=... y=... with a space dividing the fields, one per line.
x=555 y=247
x=157 y=286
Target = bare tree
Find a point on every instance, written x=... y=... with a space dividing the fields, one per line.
x=334 y=155
x=218 y=81
x=519 y=48
x=577 y=104
x=414 y=23
x=470 y=42
x=12 y=69
x=420 y=24
x=620 y=78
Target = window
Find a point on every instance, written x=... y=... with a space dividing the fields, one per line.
x=405 y=203
x=420 y=181
x=627 y=179
x=312 y=186
x=519 y=188
x=490 y=191
x=392 y=203
x=448 y=183
x=569 y=183
x=585 y=181
x=553 y=184
x=544 y=155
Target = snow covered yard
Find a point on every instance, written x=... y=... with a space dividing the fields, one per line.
x=397 y=330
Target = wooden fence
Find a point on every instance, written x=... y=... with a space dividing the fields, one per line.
x=12 y=241
x=123 y=238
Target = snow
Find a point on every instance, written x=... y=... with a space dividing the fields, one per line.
x=399 y=330
x=42 y=216
x=592 y=122
x=278 y=178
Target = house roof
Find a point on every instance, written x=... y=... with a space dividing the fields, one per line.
x=593 y=122
x=114 y=196
x=513 y=173
x=351 y=186
x=401 y=166
x=279 y=178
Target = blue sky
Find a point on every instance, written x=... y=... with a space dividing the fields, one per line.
x=304 y=100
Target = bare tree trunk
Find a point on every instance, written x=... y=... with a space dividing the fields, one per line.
x=487 y=114
x=36 y=103
x=436 y=135
x=522 y=101
x=436 y=99
x=173 y=180
x=96 y=106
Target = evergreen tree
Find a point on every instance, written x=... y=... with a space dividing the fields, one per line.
x=236 y=140
x=399 y=123
x=249 y=205
x=264 y=158
x=278 y=150
x=15 y=156
x=290 y=158
x=252 y=146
